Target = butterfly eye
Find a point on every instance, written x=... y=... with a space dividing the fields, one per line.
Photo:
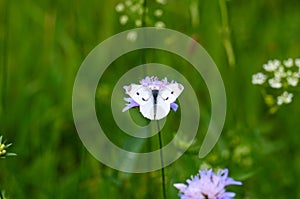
x=137 y=93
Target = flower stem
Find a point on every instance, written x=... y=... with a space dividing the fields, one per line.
x=143 y=59
x=144 y=14
x=226 y=33
x=3 y=49
x=162 y=162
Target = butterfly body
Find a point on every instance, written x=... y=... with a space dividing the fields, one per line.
x=154 y=103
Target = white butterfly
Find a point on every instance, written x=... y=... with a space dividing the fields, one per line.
x=154 y=103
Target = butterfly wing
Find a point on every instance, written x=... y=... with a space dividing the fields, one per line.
x=143 y=96
x=162 y=108
x=170 y=92
x=147 y=109
x=139 y=93
x=166 y=96
x=155 y=111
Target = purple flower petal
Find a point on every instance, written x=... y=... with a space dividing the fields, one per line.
x=174 y=106
x=131 y=104
x=207 y=184
x=180 y=186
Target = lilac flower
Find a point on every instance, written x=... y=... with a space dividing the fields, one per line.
x=154 y=84
x=207 y=184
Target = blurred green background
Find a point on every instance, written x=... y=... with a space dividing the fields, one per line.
x=42 y=45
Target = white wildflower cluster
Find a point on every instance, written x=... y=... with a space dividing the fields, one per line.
x=3 y=149
x=279 y=76
x=134 y=13
x=133 y=10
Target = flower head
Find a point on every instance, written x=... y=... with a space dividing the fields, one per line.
x=132 y=36
x=207 y=184
x=123 y=19
x=3 y=149
x=133 y=11
x=285 y=98
x=272 y=65
x=161 y=1
x=275 y=82
x=288 y=63
x=259 y=78
x=293 y=79
x=154 y=82
x=159 y=24
x=280 y=76
x=120 y=7
x=297 y=62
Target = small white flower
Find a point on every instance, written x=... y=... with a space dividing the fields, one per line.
x=161 y=1
x=296 y=74
x=271 y=65
x=138 y=23
x=289 y=73
x=275 y=82
x=259 y=78
x=141 y=11
x=293 y=79
x=123 y=19
x=297 y=62
x=135 y=7
x=132 y=36
x=276 y=62
x=120 y=7
x=160 y=24
x=288 y=63
x=128 y=3
x=158 y=12
x=285 y=98
x=279 y=73
x=268 y=67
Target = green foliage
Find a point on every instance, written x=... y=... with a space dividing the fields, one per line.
x=42 y=44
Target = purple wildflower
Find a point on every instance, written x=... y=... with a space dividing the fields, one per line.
x=207 y=185
x=152 y=83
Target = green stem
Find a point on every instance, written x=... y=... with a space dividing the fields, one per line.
x=144 y=14
x=162 y=162
x=226 y=33
x=194 y=12
x=143 y=57
x=144 y=61
x=4 y=57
